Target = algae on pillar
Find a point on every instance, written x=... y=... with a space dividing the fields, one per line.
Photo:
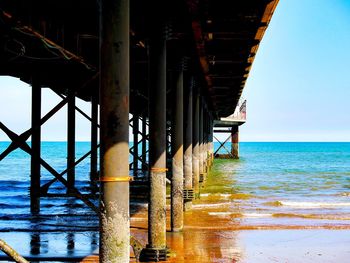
x=156 y=247
x=114 y=134
x=177 y=155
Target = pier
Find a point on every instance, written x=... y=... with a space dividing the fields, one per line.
x=170 y=72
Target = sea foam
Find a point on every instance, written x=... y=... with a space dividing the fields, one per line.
x=314 y=204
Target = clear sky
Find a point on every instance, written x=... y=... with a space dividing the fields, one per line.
x=299 y=85
x=298 y=88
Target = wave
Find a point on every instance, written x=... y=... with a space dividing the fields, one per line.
x=294 y=204
x=199 y=206
x=246 y=215
x=218 y=196
x=313 y=216
x=338 y=217
x=256 y=215
x=345 y=194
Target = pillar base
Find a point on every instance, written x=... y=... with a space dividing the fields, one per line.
x=187 y=206
x=226 y=156
x=149 y=254
x=188 y=195
x=202 y=177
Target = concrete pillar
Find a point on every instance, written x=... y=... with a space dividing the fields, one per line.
x=94 y=139
x=71 y=140
x=135 y=130
x=234 y=142
x=195 y=143
x=35 y=167
x=114 y=103
x=188 y=144
x=177 y=155
x=156 y=247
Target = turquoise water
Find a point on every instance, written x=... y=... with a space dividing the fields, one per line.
x=304 y=184
x=283 y=184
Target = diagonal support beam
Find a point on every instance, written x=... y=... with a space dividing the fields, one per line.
x=13 y=146
x=14 y=138
x=45 y=188
x=21 y=143
x=78 y=109
x=222 y=145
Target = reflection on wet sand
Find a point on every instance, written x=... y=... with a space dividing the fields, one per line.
x=35 y=244
x=202 y=239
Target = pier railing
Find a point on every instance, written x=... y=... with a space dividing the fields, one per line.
x=240 y=113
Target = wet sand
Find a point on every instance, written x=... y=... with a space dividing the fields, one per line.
x=216 y=239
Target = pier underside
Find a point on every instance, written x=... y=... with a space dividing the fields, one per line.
x=167 y=71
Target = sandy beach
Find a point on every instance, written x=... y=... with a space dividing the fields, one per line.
x=206 y=240
x=216 y=239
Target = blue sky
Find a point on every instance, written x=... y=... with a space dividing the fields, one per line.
x=298 y=88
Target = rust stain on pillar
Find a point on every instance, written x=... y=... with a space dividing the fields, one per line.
x=114 y=136
x=235 y=142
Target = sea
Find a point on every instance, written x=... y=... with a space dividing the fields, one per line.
x=287 y=185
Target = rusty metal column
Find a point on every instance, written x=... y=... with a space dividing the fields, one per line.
x=71 y=140
x=114 y=134
x=177 y=155
x=201 y=141
x=135 y=130
x=211 y=145
x=195 y=138
x=205 y=129
x=94 y=139
x=36 y=147
x=234 y=142
x=212 y=140
x=156 y=247
x=188 y=191
x=144 y=142
x=208 y=140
